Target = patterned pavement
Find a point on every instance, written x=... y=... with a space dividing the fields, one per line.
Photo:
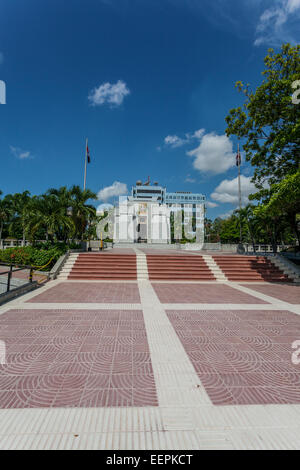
x=242 y=357
x=71 y=358
x=203 y=293
x=286 y=293
x=83 y=292
x=141 y=365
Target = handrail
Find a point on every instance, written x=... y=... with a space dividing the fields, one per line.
x=22 y=266
x=15 y=267
x=25 y=266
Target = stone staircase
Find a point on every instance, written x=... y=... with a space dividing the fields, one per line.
x=178 y=267
x=67 y=267
x=102 y=266
x=287 y=267
x=175 y=267
x=250 y=268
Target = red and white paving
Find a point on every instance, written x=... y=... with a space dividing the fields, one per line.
x=151 y=365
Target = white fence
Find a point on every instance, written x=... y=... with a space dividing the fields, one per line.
x=223 y=247
x=232 y=248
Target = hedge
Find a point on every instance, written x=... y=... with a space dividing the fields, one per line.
x=35 y=256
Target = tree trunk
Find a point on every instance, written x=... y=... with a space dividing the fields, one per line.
x=274 y=247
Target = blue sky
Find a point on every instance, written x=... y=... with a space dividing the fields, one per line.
x=149 y=82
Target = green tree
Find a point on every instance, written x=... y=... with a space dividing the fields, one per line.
x=5 y=213
x=230 y=230
x=285 y=202
x=81 y=212
x=250 y=224
x=46 y=212
x=20 y=203
x=268 y=121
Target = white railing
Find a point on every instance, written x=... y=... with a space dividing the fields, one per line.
x=232 y=247
x=14 y=243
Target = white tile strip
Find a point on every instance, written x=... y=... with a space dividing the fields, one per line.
x=141 y=265
x=214 y=268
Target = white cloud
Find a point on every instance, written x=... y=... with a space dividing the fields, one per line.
x=113 y=94
x=189 y=179
x=226 y=215
x=227 y=190
x=115 y=190
x=103 y=207
x=174 y=141
x=293 y=5
x=211 y=204
x=19 y=153
x=280 y=23
x=214 y=154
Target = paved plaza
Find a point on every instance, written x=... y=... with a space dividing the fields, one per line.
x=151 y=365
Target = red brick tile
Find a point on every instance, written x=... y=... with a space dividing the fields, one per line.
x=87 y=358
x=256 y=368
x=202 y=293
x=90 y=292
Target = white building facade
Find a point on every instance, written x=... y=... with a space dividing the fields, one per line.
x=145 y=216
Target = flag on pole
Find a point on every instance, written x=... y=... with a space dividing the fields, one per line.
x=238 y=159
x=88 y=154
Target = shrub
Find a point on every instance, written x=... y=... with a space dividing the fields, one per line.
x=37 y=256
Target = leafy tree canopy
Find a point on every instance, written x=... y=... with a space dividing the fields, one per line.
x=269 y=122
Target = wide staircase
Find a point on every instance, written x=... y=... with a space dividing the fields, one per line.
x=101 y=266
x=250 y=268
x=181 y=267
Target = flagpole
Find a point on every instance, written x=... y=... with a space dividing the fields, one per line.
x=85 y=164
x=240 y=246
x=240 y=193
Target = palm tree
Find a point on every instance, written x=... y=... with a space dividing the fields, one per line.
x=19 y=204
x=63 y=197
x=82 y=213
x=47 y=213
x=250 y=222
x=5 y=213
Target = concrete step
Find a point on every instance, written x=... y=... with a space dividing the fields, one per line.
x=185 y=277
x=91 y=266
x=109 y=276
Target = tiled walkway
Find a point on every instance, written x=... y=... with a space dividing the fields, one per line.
x=242 y=357
x=286 y=293
x=70 y=358
x=203 y=293
x=135 y=365
x=90 y=292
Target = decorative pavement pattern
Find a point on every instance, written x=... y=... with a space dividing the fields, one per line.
x=71 y=358
x=203 y=293
x=141 y=365
x=79 y=292
x=286 y=293
x=242 y=357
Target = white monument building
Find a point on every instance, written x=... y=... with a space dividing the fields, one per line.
x=145 y=215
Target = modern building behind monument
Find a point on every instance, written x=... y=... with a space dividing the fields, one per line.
x=145 y=215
